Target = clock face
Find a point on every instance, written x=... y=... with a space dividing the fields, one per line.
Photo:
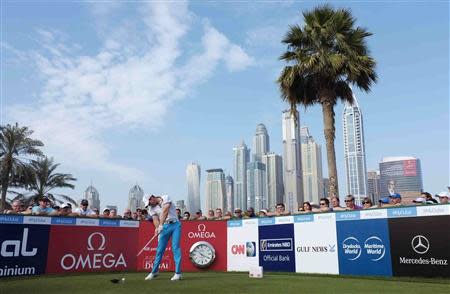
x=202 y=254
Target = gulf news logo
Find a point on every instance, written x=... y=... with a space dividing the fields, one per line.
x=373 y=247
x=248 y=249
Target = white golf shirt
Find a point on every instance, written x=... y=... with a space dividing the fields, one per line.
x=157 y=210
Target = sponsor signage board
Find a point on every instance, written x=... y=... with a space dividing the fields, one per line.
x=364 y=247
x=242 y=245
x=276 y=247
x=23 y=249
x=315 y=245
x=91 y=249
x=420 y=246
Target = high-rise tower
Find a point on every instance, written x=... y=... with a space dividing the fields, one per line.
x=240 y=161
x=193 y=183
x=311 y=167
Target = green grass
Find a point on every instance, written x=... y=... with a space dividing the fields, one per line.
x=211 y=282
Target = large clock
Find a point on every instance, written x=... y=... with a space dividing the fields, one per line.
x=202 y=254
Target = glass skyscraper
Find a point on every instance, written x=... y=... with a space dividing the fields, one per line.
x=92 y=196
x=260 y=142
x=292 y=162
x=240 y=161
x=274 y=179
x=135 y=198
x=215 y=189
x=354 y=151
x=229 y=190
x=256 y=185
x=193 y=183
x=311 y=167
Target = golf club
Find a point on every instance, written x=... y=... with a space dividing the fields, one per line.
x=148 y=243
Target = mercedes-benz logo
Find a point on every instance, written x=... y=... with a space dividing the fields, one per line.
x=420 y=244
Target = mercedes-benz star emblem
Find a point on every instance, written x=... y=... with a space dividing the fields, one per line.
x=420 y=244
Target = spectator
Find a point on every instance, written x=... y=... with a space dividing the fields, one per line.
x=113 y=214
x=307 y=208
x=43 y=207
x=66 y=210
x=218 y=215
x=127 y=214
x=336 y=205
x=17 y=207
x=419 y=201
x=186 y=216
x=178 y=211
x=145 y=215
x=443 y=197
x=139 y=214
x=237 y=213
x=280 y=209
x=227 y=215
x=428 y=198
x=384 y=202
x=199 y=215
x=28 y=210
x=96 y=211
x=210 y=215
x=106 y=213
x=262 y=213
x=324 y=205
x=83 y=210
x=396 y=199
x=367 y=203
x=350 y=203
x=251 y=212
x=135 y=216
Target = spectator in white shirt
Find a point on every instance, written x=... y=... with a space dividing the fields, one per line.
x=83 y=210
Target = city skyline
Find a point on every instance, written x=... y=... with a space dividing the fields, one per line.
x=87 y=84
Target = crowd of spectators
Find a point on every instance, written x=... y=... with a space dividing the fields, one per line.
x=45 y=207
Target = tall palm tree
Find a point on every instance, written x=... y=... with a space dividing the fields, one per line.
x=16 y=150
x=42 y=179
x=325 y=56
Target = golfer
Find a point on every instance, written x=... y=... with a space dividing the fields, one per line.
x=165 y=219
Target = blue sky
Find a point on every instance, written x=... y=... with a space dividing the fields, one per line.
x=132 y=92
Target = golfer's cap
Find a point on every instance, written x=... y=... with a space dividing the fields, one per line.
x=443 y=194
x=395 y=196
x=384 y=200
x=419 y=200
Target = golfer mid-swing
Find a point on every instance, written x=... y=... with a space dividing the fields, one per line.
x=165 y=219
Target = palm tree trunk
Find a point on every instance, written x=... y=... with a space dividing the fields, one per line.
x=329 y=131
x=4 y=177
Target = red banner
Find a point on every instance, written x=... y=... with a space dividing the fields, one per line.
x=91 y=249
x=213 y=232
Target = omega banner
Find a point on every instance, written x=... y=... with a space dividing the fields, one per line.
x=91 y=249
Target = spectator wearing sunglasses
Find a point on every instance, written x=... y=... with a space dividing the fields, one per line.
x=350 y=203
x=83 y=210
x=367 y=203
x=17 y=207
x=324 y=204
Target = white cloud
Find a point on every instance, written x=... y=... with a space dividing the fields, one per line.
x=121 y=86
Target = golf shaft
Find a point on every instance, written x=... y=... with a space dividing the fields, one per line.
x=148 y=243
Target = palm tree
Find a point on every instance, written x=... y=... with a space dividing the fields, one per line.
x=16 y=150
x=325 y=56
x=42 y=180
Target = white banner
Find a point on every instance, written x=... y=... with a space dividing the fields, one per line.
x=316 y=245
x=242 y=245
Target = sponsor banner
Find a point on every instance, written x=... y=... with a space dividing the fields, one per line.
x=420 y=246
x=429 y=210
x=37 y=220
x=284 y=220
x=242 y=245
x=402 y=212
x=302 y=218
x=266 y=221
x=213 y=232
x=23 y=249
x=71 y=221
x=373 y=213
x=348 y=215
x=276 y=247
x=88 y=249
x=315 y=245
x=87 y=222
x=105 y=222
x=147 y=251
x=129 y=224
x=364 y=247
x=11 y=219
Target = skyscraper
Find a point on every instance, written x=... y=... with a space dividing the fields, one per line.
x=215 y=189
x=292 y=162
x=180 y=205
x=354 y=151
x=135 y=198
x=193 y=184
x=401 y=175
x=92 y=196
x=373 y=185
x=274 y=179
x=256 y=185
x=260 y=142
x=311 y=167
x=229 y=192
x=240 y=161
